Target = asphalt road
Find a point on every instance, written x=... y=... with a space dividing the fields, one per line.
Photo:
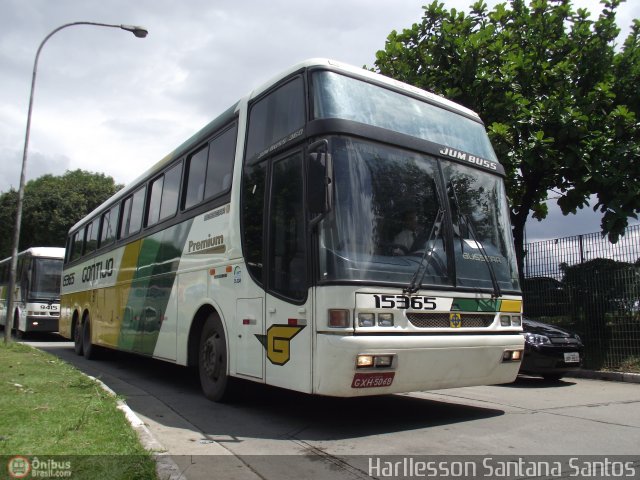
x=336 y=438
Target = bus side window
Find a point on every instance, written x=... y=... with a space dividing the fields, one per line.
x=155 y=198
x=109 y=226
x=195 y=175
x=170 y=192
x=275 y=116
x=76 y=245
x=132 y=207
x=163 y=197
x=220 y=163
x=91 y=237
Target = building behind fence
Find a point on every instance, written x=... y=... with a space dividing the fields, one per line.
x=592 y=287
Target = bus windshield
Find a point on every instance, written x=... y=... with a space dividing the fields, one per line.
x=397 y=211
x=46 y=276
x=338 y=96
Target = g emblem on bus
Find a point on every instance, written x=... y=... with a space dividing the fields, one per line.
x=455 y=320
x=277 y=342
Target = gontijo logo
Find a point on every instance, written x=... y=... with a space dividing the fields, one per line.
x=277 y=342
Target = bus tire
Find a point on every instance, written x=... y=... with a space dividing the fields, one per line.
x=212 y=361
x=77 y=337
x=90 y=350
x=16 y=326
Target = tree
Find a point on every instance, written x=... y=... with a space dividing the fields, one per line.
x=52 y=205
x=560 y=102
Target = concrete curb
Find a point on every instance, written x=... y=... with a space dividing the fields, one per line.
x=610 y=376
x=166 y=468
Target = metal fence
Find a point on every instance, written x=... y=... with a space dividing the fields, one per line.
x=592 y=287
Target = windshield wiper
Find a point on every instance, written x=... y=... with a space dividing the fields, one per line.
x=497 y=293
x=451 y=191
x=436 y=231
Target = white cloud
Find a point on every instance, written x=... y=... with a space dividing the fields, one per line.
x=106 y=101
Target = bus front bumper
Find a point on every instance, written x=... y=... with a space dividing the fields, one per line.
x=419 y=362
x=42 y=324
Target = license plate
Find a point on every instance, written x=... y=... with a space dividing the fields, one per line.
x=572 y=357
x=372 y=380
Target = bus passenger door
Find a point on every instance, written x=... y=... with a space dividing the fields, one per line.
x=288 y=332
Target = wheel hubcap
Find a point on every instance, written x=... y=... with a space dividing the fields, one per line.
x=211 y=358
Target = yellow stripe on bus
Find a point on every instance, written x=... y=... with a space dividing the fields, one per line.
x=511 y=306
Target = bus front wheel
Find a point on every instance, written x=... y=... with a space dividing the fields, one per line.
x=212 y=361
x=16 y=326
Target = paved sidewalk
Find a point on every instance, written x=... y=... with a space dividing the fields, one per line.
x=602 y=375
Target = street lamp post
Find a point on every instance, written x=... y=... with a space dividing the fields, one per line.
x=139 y=32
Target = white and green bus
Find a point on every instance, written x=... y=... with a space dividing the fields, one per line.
x=272 y=246
x=36 y=301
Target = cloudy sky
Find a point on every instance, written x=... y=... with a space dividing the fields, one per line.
x=108 y=102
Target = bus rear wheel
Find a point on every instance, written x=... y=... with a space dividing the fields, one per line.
x=77 y=337
x=212 y=361
x=90 y=350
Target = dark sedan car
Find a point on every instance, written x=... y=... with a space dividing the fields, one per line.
x=550 y=351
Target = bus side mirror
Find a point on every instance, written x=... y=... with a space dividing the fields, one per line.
x=319 y=179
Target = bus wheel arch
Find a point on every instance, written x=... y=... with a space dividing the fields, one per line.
x=76 y=333
x=193 y=344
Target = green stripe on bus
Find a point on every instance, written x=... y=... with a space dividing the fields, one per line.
x=157 y=265
x=474 y=305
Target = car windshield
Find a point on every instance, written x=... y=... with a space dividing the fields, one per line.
x=46 y=278
x=388 y=220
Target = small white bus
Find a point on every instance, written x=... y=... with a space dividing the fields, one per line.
x=36 y=301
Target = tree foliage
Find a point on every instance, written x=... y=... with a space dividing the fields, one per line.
x=51 y=206
x=559 y=99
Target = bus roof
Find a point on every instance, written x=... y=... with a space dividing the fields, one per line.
x=47 y=252
x=368 y=75
x=231 y=112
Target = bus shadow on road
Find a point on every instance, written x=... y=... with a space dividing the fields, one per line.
x=524 y=382
x=331 y=418
x=259 y=411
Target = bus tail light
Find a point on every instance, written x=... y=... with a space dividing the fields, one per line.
x=339 y=318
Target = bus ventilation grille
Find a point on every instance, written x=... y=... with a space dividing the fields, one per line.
x=441 y=320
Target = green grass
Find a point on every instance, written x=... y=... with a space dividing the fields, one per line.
x=48 y=408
